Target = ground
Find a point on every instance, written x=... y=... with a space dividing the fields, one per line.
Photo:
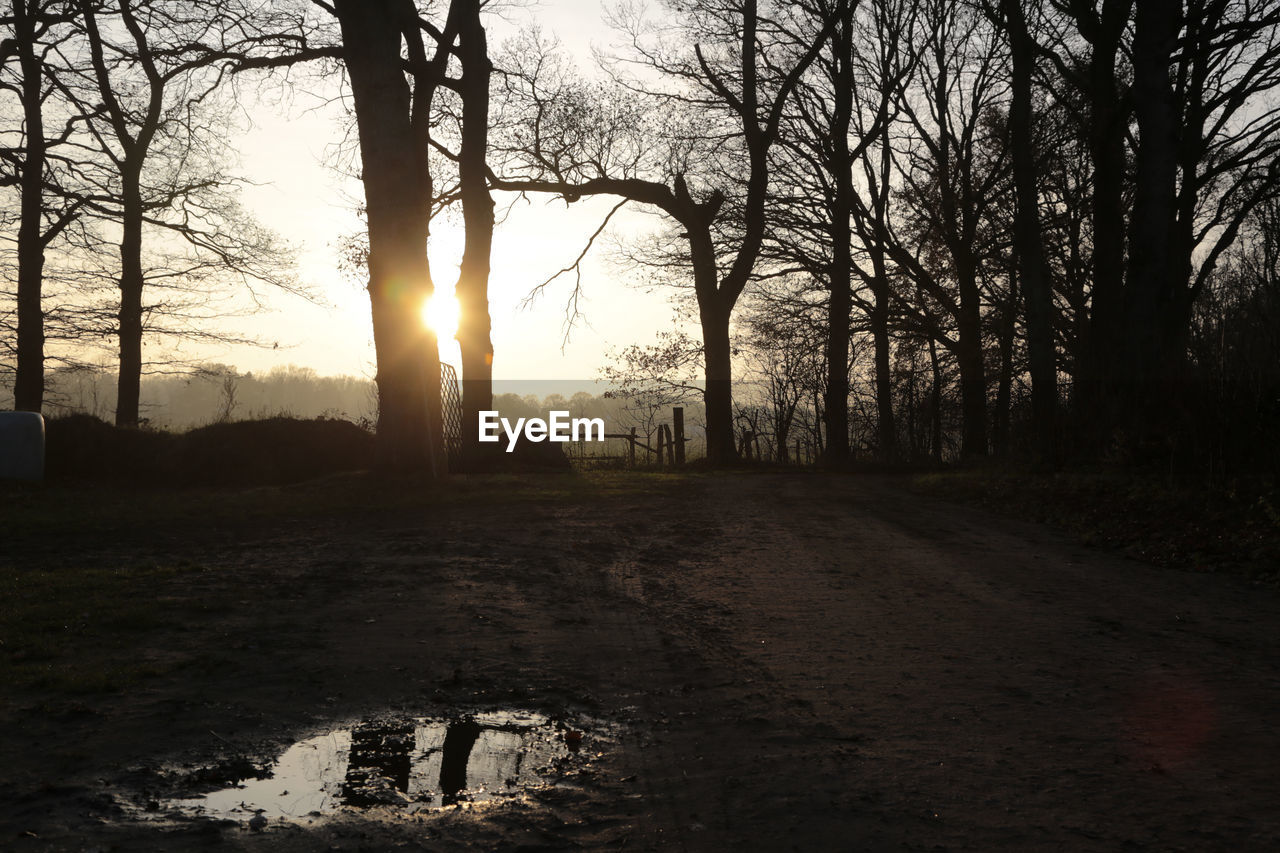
x=764 y=662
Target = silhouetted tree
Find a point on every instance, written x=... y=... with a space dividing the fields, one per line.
x=474 y=325
x=1100 y=80
x=1032 y=273
x=1184 y=144
x=147 y=90
x=393 y=111
x=954 y=175
x=741 y=68
x=842 y=113
x=28 y=54
x=1206 y=73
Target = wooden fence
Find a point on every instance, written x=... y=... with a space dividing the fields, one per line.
x=669 y=446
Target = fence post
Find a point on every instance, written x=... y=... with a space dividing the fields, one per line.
x=662 y=433
x=631 y=449
x=677 y=418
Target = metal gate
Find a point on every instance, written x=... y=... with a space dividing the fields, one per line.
x=451 y=414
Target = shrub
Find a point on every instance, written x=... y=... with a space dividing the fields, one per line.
x=264 y=452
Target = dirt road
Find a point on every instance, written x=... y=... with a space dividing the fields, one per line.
x=765 y=662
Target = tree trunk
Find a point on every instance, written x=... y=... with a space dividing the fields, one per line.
x=474 y=326
x=839 y=306
x=840 y=300
x=129 y=329
x=1000 y=437
x=935 y=401
x=28 y=387
x=781 y=429
x=1108 y=120
x=913 y=432
x=879 y=316
x=1036 y=284
x=886 y=426
x=1146 y=393
x=718 y=395
x=969 y=356
x=397 y=196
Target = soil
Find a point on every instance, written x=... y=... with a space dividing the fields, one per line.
x=755 y=662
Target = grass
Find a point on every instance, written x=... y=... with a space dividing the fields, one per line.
x=83 y=630
x=53 y=511
x=1197 y=529
x=73 y=621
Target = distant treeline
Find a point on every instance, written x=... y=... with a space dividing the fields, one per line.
x=219 y=393
x=214 y=393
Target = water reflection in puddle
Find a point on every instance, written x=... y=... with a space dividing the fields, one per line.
x=402 y=765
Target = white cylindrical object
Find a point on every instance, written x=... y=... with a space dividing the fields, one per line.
x=21 y=446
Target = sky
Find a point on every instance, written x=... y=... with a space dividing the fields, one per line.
x=311 y=206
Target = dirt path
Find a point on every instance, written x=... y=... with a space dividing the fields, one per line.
x=775 y=663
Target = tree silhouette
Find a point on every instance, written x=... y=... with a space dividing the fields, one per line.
x=743 y=74
x=28 y=62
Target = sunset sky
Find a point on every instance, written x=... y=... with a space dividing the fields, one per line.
x=311 y=206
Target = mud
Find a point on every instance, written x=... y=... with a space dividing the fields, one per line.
x=788 y=662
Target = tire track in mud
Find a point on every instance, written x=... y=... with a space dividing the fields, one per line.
x=727 y=719
x=801 y=662
x=614 y=594
x=991 y=696
x=896 y=669
x=664 y=667
x=735 y=600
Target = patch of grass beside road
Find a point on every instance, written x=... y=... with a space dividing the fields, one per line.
x=84 y=609
x=83 y=630
x=1194 y=529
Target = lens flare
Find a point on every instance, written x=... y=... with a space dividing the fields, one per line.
x=440 y=314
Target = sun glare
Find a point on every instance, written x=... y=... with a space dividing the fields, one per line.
x=440 y=313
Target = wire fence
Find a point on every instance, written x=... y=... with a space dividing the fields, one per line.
x=451 y=411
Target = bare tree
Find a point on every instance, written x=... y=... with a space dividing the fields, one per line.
x=1032 y=270
x=393 y=112
x=785 y=350
x=147 y=97
x=741 y=70
x=951 y=158
x=397 y=61
x=1100 y=31
x=1196 y=81
x=35 y=30
x=842 y=113
x=650 y=379
x=1206 y=74
x=475 y=326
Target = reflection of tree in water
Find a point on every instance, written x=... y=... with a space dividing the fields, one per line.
x=382 y=757
x=379 y=764
x=458 y=742
x=393 y=765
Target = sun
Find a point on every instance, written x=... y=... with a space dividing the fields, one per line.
x=440 y=314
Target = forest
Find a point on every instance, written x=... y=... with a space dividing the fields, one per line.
x=948 y=230
x=970 y=316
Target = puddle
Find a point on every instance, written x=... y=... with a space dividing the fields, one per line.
x=400 y=765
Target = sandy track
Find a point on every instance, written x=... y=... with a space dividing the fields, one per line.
x=949 y=679
x=783 y=662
